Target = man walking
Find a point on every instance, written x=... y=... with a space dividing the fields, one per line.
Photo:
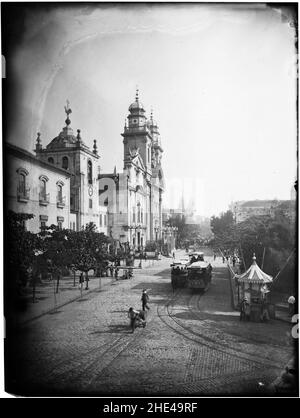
x=145 y=299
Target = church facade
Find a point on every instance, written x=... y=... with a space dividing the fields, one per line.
x=70 y=153
x=134 y=196
x=66 y=175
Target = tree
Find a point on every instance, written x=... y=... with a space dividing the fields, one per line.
x=89 y=249
x=20 y=253
x=272 y=239
x=57 y=251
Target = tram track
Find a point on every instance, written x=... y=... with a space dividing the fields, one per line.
x=176 y=326
x=96 y=362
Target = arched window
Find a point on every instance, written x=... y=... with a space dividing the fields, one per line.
x=65 y=163
x=44 y=197
x=139 y=212
x=22 y=183
x=50 y=160
x=43 y=186
x=90 y=172
x=59 y=193
x=22 y=189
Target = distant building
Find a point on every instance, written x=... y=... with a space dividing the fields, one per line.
x=243 y=210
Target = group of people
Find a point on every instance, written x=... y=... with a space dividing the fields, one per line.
x=245 y=310
x=139 y=316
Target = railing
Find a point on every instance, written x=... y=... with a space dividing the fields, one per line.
x=60 y=201
x=136 y=128
x=44 y=198
x=23 y=194
x=135 y=226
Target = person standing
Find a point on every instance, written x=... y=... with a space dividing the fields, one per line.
x=291 y=302
x=111 y=268
x=145 y=299
x=116 y=273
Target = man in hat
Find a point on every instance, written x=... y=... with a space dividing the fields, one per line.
x=145 y=299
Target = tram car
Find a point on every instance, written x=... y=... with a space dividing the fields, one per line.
x=179 y=273
x=199 y=276
x=196 y=256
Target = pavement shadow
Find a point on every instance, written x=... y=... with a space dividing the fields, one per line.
x=120 y=311
x=154 y=287
x=166 y=272
x=112 y=329
x=54 y=312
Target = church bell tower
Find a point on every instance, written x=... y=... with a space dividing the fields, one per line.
x=137 y=135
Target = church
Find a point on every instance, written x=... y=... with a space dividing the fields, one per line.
x=63 y=183
x=133 y=197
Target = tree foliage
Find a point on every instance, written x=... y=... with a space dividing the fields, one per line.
x=21 y=247
x=272 y=239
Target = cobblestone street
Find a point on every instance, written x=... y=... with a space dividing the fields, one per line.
x=193 y=344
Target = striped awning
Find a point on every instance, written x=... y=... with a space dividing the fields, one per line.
x=254 y=275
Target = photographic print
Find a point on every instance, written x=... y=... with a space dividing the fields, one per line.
x=150 y=201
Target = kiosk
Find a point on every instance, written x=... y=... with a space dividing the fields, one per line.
x=253 y=287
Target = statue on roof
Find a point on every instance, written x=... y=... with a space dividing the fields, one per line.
x=68 y=110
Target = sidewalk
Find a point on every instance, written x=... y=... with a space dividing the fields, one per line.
x=47 y=300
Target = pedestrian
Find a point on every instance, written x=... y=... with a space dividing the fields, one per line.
x=145 y=299
x=132 y=315
x=111 y=268
x=173 y=254
x=223 y=259
x=233 y=261
x=81 y=280
x=291 y=302
x=242 y=310
x=215 y=255
x=116 y=273
x=135 y=316
x=87 y=282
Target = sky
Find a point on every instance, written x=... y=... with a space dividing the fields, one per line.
x=221 y=80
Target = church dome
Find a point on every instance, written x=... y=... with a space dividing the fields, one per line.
x=136 y=105
x=66 y=137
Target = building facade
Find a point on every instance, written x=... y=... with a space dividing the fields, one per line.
x=70 y=153
x=36 y=187
x=134 y=196
x=243 y=210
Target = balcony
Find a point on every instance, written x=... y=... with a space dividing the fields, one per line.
x=44 y=198
x=23 y=194
x=61 y=201
x=135 y=129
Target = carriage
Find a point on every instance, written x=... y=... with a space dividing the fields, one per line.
x=179 y=273
x=199 y=275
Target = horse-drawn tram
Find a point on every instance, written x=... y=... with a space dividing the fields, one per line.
x=199 y=275
x=196 y=256
x=179 y=273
